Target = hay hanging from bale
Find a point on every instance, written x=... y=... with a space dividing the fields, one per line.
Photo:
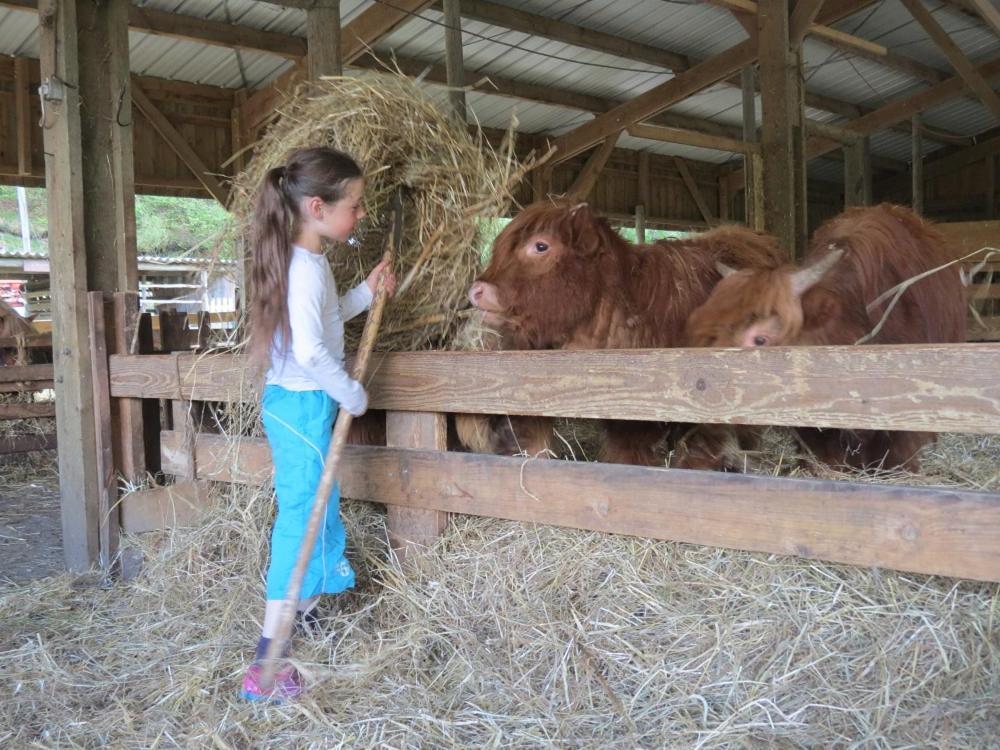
x=402 y=138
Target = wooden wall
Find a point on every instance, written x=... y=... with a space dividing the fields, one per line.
x=202 y=114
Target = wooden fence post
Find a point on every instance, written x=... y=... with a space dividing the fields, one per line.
x=413 y=528
x=100 y=310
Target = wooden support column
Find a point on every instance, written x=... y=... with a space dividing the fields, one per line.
x=22 y=109
x=101 y=315
x=323 y=39
x=69 y=68
x=917 y=166
x=782 y=144
x=752 y=187
x=644 y=192
x=857 y=174
x=989 y=186
x=106 y=133
x=411 y=529
x=454 y=62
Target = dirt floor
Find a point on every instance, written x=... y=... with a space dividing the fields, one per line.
x=30 y=525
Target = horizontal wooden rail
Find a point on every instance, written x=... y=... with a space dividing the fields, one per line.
x=941 y=532
x=27 y=443
x=25 y=373
x=937 y=388
x=31 y=341
x=27 y=411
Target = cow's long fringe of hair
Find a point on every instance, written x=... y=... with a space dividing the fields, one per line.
x=886 y=246
x=321 y=172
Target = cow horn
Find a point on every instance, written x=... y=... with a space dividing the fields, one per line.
x=805 y=278
x=723 y=269
x=577 y=207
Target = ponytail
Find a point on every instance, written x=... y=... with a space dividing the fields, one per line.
x=271 y=241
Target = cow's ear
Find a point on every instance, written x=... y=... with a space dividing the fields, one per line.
x=579 y=229
x=806 y=278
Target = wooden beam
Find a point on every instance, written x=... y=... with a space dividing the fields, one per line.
x=753 y=197
x=643 y=178
x=585 y=181
x=917 y=167
x=454 y=64
x=690 y=138
x=74 y=406
x=22 y=114
x=931 y=531
x=857 y=174
x=802 y=18
x=654 y=101
x=782 y=131
x=356 y=37
x=106 y=131
x=929 y=387
x=178 y=143
x=703 y=208
x=179 y=26
x=988 y=12
x=955 y=56
x=852 y=44
x=28 y=411
x=412 y=529
x=323 y=39
x=100 y=311
x=538 y=25
x=27 y=443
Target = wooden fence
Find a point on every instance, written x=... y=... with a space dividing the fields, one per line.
x=26 y=378
x=935 y=387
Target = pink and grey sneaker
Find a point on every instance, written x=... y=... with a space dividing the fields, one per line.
x=287 y=684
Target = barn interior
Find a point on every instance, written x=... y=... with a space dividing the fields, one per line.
x=663 y=115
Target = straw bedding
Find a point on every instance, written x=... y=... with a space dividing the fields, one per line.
x=503 y=635
x=510 y=635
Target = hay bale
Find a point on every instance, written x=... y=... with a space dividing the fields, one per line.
x=402 y=138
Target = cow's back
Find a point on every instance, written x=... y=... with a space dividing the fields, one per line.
x=887 y=245
x=673 y=277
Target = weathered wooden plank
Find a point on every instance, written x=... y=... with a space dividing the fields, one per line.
x=27 y=443
x=22 y=110
x=939 y=532
x=100 y=310
x=323 y=39
x=62 y=140
x=168 y=507
x=969 y=236
x=934 y=387
x=25 y=373
x=130 y=454
x=27 y=411
x=411 y=529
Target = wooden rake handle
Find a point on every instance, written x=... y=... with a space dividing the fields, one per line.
x=343 y=426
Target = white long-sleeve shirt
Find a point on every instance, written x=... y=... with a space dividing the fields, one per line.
x=315 y=360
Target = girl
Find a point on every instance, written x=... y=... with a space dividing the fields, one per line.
x=298 y=322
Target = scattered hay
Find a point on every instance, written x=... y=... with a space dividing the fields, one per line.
x=403 y=139
x=507 y=635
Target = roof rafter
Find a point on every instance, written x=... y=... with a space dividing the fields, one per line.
x=955 y=55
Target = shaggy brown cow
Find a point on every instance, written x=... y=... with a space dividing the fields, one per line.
x=562 y=278
x=853 y=259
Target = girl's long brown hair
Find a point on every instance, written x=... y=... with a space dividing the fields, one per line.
x=320 y=172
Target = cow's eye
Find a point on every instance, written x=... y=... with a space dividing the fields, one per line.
x=760 y=340
x=541 y=247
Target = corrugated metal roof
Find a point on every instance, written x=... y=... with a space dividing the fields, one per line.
x=682 y=26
